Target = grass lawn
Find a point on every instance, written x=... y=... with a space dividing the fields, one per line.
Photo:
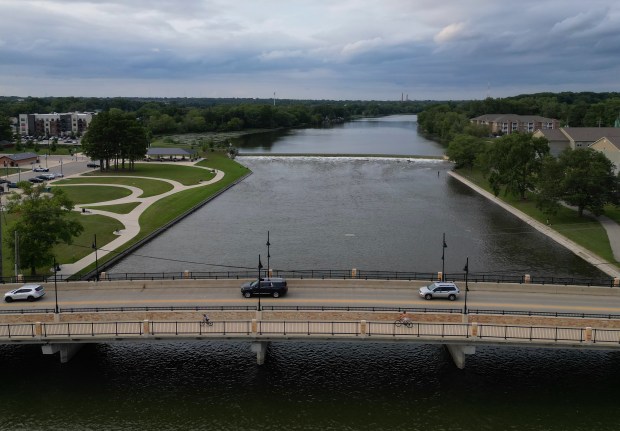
x=118 y=209
x=149 y=187
x=186 y=175
x=98 y=225
x=89 y=194
x=585 y=231
x=163 y=211
x=613 y=212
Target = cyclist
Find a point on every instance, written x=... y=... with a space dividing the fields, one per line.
x=205 y=318
x=404 y=317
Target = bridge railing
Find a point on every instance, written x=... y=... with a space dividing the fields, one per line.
x=91 y=331
x=224 y=308
x=344 y=274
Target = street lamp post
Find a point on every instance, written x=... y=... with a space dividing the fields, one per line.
x=96 y=260
x=268 y=255
x=260 y=266
x=443 y=257
x=466 y=269
x=56 y=269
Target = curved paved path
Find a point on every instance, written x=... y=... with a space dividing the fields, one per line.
x=585 y=254
x=130 y=220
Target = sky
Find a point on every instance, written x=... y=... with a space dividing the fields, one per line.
x=316 y=49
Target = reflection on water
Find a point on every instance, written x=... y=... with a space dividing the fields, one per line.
x=308 y=386
x=396 y=134
x=343 y=213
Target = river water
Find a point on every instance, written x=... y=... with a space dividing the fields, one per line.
x=327 y=213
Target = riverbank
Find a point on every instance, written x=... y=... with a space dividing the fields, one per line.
x=590 y=257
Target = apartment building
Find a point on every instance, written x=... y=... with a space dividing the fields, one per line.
x=55 y=124
x=510 y=123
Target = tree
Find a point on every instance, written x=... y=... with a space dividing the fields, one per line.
x=43 y=220
x=588 y=180
x=5 y=129
x=514 y=161
x=549 y=188
x=114 y=136
x=464 y=149
x=54 y=145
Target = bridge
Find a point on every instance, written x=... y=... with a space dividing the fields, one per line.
x=275 y=321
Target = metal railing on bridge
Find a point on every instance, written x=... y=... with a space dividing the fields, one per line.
x=248 y=329
x=336 y=274
x=345 y=274
x=224 y=308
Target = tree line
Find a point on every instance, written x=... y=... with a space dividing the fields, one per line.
x=521 y=165
x=443 y=121
x=196 y=115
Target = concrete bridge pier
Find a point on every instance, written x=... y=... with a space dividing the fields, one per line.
x=458 y=352
x=67 y=351
x=260 y=348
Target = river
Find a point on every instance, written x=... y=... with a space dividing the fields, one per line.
x=325 y=213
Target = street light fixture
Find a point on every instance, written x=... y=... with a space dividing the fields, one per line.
x=268 y=255
x=96 y=260
x=443 y=258
x=260 y=266
x=466 y=269
x=56 y=269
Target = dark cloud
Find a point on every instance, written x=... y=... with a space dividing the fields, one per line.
x=349 y=49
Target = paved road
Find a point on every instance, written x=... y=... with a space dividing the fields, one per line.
x=325 y=296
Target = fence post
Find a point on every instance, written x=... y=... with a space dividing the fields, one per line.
x=354 y=273
x=439 y=275
x=527 y=279
x=616 y=281
x=474 y=329
x=186 y=274
x=363 y=324
x=588 y=334
x=146 y=327
x=38 y=329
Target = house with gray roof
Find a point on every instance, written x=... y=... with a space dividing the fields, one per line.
x=610 y=146
x=603 y=139
x=19 y=159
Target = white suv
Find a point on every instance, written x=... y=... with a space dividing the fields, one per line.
x=440 y=289
x=29 y=292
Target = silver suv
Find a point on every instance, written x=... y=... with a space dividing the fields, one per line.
x=440 y=289
x=29 y=292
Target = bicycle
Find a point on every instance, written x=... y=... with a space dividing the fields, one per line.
x=400 y=322
x=206 y=323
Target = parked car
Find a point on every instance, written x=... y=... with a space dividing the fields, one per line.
x=92 y=165
x=440 y=289
x=12 y=185
x=58 y=174
x=40 y=169
x=46 y=177
x=29 y=292
x=35 y=180
x=274 y=286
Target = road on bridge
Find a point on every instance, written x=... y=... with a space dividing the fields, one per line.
x=104 y=296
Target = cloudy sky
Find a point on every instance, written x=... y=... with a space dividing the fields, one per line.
x=315 y=49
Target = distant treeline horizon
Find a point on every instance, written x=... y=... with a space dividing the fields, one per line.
x=194 y=115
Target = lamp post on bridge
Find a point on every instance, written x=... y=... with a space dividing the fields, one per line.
x=260 y=266
x=96 y=260
x=466 y=269
x=56 y=269
x=268 y=255
x=443 y=258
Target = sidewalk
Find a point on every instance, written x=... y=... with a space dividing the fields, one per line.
x=130 y=220
x=588 y=256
